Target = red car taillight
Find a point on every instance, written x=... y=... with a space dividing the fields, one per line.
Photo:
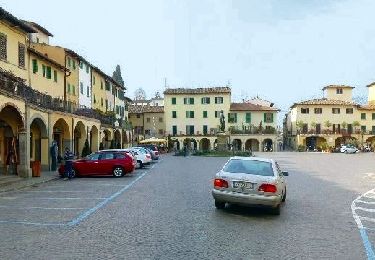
x=220 y=183
x=265 y=187
x=148 y=156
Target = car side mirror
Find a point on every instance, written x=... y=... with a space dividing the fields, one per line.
x=285 y=173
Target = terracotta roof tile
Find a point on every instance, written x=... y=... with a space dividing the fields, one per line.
x=38 y=27
x=250 y=107
x=4 y=15
x=366 y=107
x=324 y=101
x=337 y=86
x=145 y=109
x=212 y=90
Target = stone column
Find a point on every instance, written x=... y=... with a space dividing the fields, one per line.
x=24 y=153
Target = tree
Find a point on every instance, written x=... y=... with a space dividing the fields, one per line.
x=140 y=94
x=299 y=124
x=327 y=124
x=313 y=125
x=344 y=125
x=117 y=76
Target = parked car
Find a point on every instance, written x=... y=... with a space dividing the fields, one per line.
x=116 y=163
x=250 y=181
x=143 y=156
x=153 y=150
x=133 y=154
x=348 y=149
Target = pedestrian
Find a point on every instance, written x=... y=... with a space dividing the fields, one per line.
x=68 y=157
x=11 y=162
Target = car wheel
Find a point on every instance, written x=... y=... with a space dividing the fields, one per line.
x=284 y=196
x=141 y=165
x=219 y=204
x=346 y=151
x=118 y=172
x=276 y=210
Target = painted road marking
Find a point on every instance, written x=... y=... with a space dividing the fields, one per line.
x=362 y=229
x=88 y=212
x=12 y=207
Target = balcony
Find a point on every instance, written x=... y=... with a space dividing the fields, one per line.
x=253 y=130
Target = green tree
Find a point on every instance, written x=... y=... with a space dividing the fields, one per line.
x=117 y=76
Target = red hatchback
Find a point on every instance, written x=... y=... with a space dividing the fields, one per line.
x=114 y=163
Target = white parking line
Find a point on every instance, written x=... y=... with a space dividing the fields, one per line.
x=12 y=207
x=51 y=191
x=66 y=198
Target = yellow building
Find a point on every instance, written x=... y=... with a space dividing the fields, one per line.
x=330 y=121
x=147 y=121
x=13 y=45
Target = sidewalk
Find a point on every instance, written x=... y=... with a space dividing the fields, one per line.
x=13 y=182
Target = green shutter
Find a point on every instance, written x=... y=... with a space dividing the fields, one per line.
x=235 y=117
x=192 y=114
x=204 y=114
x=49 y=72
x=44 y=70
x=35 y=66
x=187 y=114
x=55 y=75
x=74 y=64
x=373 y=116
x=173 y=101
x=264 y=117
x=248 y=117
x=202 y=100
x=185 y=101
x=191 y=101
x=68 y=88
x=271 y=118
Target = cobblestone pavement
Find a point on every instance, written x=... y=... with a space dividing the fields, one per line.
x=167 y=212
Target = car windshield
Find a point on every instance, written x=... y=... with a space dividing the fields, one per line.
x=253 y=167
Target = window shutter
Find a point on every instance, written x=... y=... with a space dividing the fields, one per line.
x=271 y=118
x=35 y=66
x=55 y=75
x=49 y=72
x=3 y=46
x=21 y=55
x=191 y=101
x=264 y=117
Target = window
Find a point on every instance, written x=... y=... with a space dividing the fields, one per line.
x=189 y=129
x=174 y=114
x=81 y=87
x=189 y=114
x=138 y=115
x=106 y=156
x=21 y=55
x=93 y=80
x=101 y=101
x=161 y=131
x=349 y=110
x=117 y=109
x=87 y=68
x=49 y=72
x=88 y=91
x=148 y=120
x=251 y=167
x=106 y=104
x=173 y=101
x=205 y=100
x=35 y=66
x=339 y=91
x=101 y=84
x=174 y=130
x=304 y=110
x=44 y=70
x=204 y=114
x=74 y=64
x=205 y=127
x=94 y=99
x=68 y=88
x=189 y=101
x=69 y=62
x=363 y=128
x=81 y=64
x=74 y=89
x=219 y=100
x=54 y=75
x=107 y=86
x=373 y=116
x=3 y=46
x=232 y=117
x=160 y=120
x=217 y=114
x=318 y=110
x=335 y=110
x=248 y=118
x=373 y=129
x=268 y=117
x=363 y=116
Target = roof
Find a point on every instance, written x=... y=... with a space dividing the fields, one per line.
x=213 y=90
x=337 y=86
x=4 y=15
x=371 y=84
x=366 y=107
x=79 y=57
x=145 y=109
x=46 y=58
x=37 y=27
x=250 y=107
x=325 y=101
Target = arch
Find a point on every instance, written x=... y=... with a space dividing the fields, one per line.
x=204 y=144
x=237 y=144
x=94 y=138
x=11 y=122
x=79 y=138
x=61 y=134
x=190 y=143
x=176 y=144
x=345 y=140
x=106 y=139
x=39 y=147
x=314 y=143
x=252 y=144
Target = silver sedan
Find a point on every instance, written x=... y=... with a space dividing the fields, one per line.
x=250 y=181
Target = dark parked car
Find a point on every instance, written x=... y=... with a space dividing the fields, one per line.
x=100 y=163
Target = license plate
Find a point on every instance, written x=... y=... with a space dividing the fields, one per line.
x=243 y=185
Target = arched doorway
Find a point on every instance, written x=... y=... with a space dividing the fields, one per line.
x=268 y=145
x=252 y=144
x=61 y=135
x=371 y=142
x=315 y=143
x=237 y=144
x=345 y=140
x=106 y=139
x=190 y=143
x=176 y=144
x=10 y=123
x=204 y=144
x=117 y=139
x=94 y=138
x=39 y=147
x=80 y=137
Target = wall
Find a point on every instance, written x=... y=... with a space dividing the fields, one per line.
x=97 y=92
x=345 y=96
x=155 y=125
x=85 y=80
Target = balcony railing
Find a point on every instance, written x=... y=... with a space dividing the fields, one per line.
x=337 y=132
x=14 y=86
x=253 y=131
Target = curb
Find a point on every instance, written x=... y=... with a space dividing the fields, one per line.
x=26 y=185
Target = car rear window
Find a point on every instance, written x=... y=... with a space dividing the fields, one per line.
x=249 y=167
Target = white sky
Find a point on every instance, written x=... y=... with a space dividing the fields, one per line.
x=282 y=50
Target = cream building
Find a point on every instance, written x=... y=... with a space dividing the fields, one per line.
x=330 y=121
